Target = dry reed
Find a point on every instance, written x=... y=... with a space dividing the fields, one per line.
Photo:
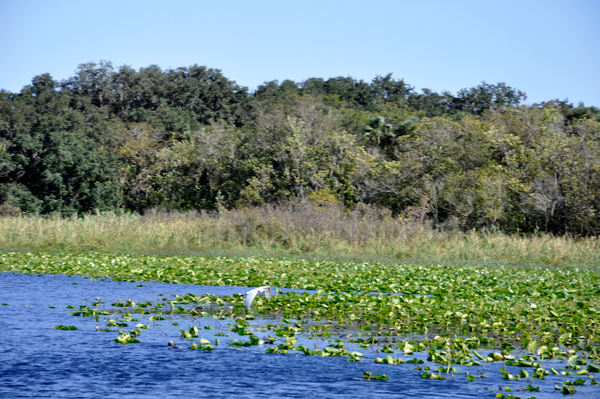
x=303 y=230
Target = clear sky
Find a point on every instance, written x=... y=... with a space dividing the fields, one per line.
x=548 y=48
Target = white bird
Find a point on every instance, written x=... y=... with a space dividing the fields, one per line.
x=260 y=291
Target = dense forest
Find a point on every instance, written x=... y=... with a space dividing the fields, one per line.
x=189 y=138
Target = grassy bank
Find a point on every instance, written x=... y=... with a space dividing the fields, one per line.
x=308 y=231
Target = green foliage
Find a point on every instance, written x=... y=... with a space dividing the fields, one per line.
x=61 y=327
x=378 y=377
x=190 y=139
x=54 y=160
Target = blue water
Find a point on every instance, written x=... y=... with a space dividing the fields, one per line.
x=37 y=361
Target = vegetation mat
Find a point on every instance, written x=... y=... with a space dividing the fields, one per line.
x=448 y=311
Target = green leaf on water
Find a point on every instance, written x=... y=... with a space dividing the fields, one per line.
x=185 y=334
x=126 y=339
x=572 y=359
x=61 y=327
x=568 y=389
x=592 y=368
x=532 y=388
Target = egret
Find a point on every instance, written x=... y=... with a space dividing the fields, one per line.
x=260 y=291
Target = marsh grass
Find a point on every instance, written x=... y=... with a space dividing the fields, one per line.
x=305 y=230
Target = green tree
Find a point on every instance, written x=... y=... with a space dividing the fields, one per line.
x=55 y=156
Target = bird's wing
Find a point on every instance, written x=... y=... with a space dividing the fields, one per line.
x=250 y=297
x=267 y=292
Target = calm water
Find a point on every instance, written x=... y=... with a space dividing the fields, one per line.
x=37 y=361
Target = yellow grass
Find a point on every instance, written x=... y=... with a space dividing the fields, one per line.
x=307 y=231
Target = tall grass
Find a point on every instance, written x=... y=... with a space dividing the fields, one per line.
x=304 y=230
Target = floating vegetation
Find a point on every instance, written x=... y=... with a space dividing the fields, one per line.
x=190 y=334
x=204 y=345
x=85 y=311
x=61 y=327
x=510 y=396
x=128 y=338
x=441 y=321
x=113 y=323
x=122 y=304
x=389 y=360
x=379 y=377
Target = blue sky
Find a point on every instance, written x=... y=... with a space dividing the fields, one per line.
x=549 y=49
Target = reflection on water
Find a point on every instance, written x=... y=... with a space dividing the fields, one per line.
x=38 y=361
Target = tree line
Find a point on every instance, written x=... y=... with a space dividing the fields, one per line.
x=189 y=138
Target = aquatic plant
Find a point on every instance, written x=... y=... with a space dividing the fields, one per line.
x=126 y=338
x=441 y=320
x=61 y=327
x=379 y=377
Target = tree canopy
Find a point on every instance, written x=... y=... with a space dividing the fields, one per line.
x=189 y=138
